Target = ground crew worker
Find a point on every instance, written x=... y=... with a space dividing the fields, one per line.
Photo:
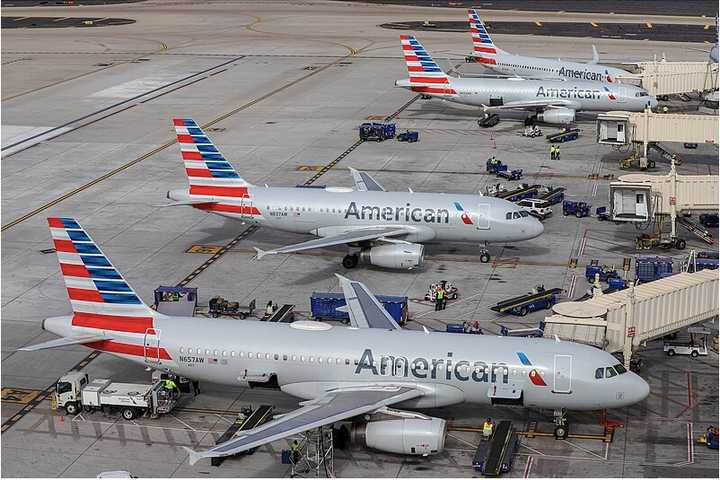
x=269 y=309
x=552 y=152
x=488 y=428
x=170 y=385
x=295 y=451
x=439 y=298
x=557 y=152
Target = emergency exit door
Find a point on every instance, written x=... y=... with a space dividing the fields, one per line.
x=482 y=217
x=151 y=346
x=562 y=377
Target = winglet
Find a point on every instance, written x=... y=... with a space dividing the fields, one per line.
x=193 y=455
x=596 y=56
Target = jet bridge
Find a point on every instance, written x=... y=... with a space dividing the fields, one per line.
x=668 y=78
x=648 y=128
x=625 y=319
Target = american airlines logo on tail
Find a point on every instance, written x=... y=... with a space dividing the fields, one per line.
x=483 y=45
x=426 y=76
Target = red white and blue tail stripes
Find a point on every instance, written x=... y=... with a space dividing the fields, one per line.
x=426 y=76
x=207 y=170
x=483 y=46
x=100 y=296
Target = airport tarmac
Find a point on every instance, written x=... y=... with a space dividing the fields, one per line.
x=282 y=89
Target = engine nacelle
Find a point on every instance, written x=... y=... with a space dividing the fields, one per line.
x=396 y=255
x=557 y=115
x=408 y=436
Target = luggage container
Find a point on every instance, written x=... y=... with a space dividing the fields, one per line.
x=648 y=269
x=324 y=305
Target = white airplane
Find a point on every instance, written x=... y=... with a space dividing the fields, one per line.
x=386 y=229
x=486 y=52
x=552 y=100
x=359 y=373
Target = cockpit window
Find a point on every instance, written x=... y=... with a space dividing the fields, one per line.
x=620 y=368
x=508 y=216
x=599 y=373
x=610 y=372
x=523 y=213
x=641 y=94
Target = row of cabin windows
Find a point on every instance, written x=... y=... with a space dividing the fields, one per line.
x=527 y=66
x=516 y=215
x=307 y=209
x=329 y=360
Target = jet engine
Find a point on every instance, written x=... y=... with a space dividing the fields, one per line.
x=395 y=255
x=410 y=436
x=557 y=115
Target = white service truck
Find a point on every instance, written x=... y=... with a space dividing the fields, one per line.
x=74 y=392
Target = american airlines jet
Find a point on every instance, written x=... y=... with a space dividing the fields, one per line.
x=486 y=52
x=344 y=374
x=386 y=229
x=553 y=101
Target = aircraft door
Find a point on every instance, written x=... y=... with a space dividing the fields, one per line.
x=151 y=346
x=562 y=378
x=482 y=217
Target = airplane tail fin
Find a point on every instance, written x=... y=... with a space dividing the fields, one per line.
x=426 y=76
x=209 y=174
x=483 y=46
x=100 y=297
x=596 y=56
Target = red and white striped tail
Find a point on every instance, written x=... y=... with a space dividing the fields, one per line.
x=483 y=47
x=100 y=297
x=426 y=76
x=209 y=173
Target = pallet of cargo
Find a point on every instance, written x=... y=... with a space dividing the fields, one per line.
x=530 y=302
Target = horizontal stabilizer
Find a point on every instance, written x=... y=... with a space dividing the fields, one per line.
x=64 y=342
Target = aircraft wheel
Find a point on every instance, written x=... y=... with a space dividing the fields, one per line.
x=680 y=244
x=561 y=432
x=350 y=261
x=484 y=257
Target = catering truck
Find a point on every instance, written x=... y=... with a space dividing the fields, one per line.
x=74 y=392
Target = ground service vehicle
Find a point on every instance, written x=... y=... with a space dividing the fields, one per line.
x=579 y=209
x=536 y=207
x=697 y=345
x=409 y=137
x=489 y=120
x=377 y=131
x=74 y=392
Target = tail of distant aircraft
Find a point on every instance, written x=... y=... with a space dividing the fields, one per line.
x=426 y=76
x=100 y=297
x=209 y=174
x=483 y=47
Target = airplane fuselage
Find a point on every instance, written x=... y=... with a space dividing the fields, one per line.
x=308 y=358
x=535 y=67
x=430 y=217
x=573 y=94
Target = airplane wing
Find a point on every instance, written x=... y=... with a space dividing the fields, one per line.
x=539 y=104
x=365 y=183
x=333 y=406
x=364 y=309
x=64 y=342
x=342 y=239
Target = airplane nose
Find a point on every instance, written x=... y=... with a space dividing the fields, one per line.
x=536 y=228
x=642 y=388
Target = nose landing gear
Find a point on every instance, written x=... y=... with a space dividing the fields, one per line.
x=561 y=424
x=484 y=254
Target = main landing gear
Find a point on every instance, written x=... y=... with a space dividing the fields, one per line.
x=484 y=254
x=561 y=424
x=351 y=260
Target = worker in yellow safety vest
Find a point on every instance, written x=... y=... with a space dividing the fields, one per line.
x=170 y=385
x=295 y=449
x=487 y=428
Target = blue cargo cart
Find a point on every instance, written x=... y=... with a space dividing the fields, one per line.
x=648 y=269
x=324 y=305
x=377 y=131
x=579 y=209
x=408 y=136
